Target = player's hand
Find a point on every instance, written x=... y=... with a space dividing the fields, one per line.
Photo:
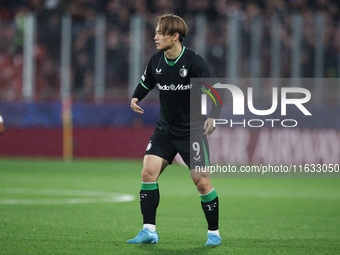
x=209 y=126
x=135 y=107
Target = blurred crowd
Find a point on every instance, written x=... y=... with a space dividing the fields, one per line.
x=118 y=13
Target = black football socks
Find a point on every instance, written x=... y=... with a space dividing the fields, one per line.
x=209 y=204
x=149 y=200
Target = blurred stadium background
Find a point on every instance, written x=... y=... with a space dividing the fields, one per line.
x=74 y=64
x=67 y=71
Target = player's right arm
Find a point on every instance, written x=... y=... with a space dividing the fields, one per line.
x=144 y=86
x=135 y=107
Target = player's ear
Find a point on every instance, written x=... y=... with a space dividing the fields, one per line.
x=176 y=36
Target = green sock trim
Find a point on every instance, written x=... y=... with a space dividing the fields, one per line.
x=209 y=197
x=149 y=186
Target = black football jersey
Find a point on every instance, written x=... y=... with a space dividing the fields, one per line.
x=172 y=78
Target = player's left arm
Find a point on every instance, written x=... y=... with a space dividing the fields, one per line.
x=204 y=71
x=209 y=126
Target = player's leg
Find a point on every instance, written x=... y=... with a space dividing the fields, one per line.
x=209 y=203
x=196 y=155
x=158 y=155
x=153 y=166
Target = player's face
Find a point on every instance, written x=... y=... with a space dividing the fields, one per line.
x=163 y=42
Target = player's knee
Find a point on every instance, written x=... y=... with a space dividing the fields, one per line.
x=203 y=185
x=148 y=175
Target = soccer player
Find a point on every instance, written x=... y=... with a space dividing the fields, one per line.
x=170 y=69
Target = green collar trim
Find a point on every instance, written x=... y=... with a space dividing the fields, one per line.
x=172 y=63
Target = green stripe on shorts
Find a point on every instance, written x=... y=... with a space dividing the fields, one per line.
x=206 y=156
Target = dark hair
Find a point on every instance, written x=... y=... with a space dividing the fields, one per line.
x=171 y=24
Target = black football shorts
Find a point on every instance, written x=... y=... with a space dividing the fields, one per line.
x=194 y=150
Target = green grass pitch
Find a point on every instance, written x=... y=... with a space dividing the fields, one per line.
x=257 y=216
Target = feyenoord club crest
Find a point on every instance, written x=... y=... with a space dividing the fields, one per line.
x=183 y=72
